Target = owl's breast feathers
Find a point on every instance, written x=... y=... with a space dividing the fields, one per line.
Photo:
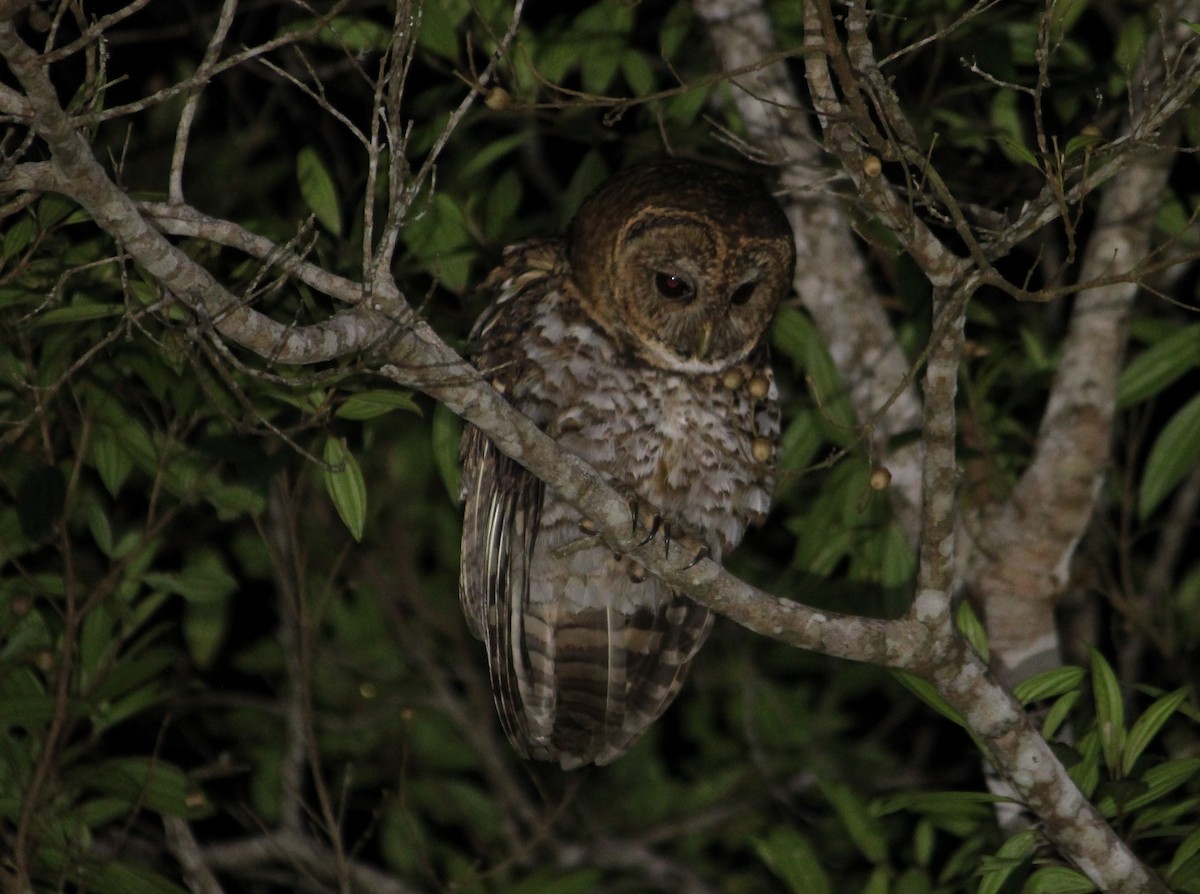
x=582 y=657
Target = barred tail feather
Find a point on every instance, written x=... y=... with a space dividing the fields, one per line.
x=592 y=681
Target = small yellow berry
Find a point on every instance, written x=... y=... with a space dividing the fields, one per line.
x=872 y=166
x=880 y=478
x=762 y=449
x=497 y=99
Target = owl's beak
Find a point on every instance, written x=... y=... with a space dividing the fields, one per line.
x=704 y=342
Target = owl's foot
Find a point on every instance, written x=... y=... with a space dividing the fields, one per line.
x=657 y=524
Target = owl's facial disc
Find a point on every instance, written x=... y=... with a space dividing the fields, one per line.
x=684 y=264
x=685 y=296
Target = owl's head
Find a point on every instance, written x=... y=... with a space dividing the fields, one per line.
x=682 y=262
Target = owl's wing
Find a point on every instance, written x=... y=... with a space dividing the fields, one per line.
x=574 y=684
x=501 y=508
x=582 y=659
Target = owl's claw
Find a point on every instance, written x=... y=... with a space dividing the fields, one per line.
x=655 y=524
x=702 y=553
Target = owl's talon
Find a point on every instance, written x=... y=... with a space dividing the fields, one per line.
x=655 y=524
x=666 y=539
x=633 y=515
x=702 y=553
x=588 y=527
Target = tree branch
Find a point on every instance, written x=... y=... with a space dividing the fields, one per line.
x=923 y=642
x=1024 y=545
x=843 y=301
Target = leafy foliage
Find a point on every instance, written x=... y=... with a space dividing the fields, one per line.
x=228 y=592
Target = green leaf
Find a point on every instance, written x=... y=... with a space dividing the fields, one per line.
x=1058 y=713
x=205 y=579
x=1086 y=771
x=344 y=483
x=438 y=33
x=878 y=881
x=1048 y=684
x=1146 y=727
x=41 y=499
x=1057 y=880
x=898 y=563
x=637 y=73
x=591 y=171
x=100 y=527
x=130 y=878
x=794 y=335
x=494 y=151
x=1078 y=143
x=318 y=190
x=926 y=693
x=1110 y=711
x=501 y=206
x=440 y=239
x=19 y=235
x=1164 y=778
x=234 y=500
x=924 y=841
x=369 y=404
x=1174 y=454
x=1010 y=129
x=863 y=828
x=971 y=628
x=359 y=35
x=995 y=871
x=1156 y=818
x=204 y=628
x=446 y=433
x=914 y=880
x=1130 y=42
x=1159 y=365
x=790 y=855
x=965 y=803
x=26 y=712
x=674 y=29
x=148 y=782
x=598 y=67
x=79 y=312
x=1187 y=849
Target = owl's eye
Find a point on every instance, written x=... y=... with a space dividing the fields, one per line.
x=673 y=287
x=743 y=293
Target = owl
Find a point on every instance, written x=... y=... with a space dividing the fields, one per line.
x=637 y=343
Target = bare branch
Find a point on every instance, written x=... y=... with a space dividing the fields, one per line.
x=188 y=115
x=247 y=856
